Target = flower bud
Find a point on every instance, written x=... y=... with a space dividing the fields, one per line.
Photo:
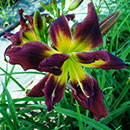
x=75 y=4
x=107 y=23
x=38 y=24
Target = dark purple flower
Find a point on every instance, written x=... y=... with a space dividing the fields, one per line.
x=71 y=53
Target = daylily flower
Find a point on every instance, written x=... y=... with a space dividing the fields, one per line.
x=71 y=55
x=28 y=31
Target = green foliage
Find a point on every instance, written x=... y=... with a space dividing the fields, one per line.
x=30 y=113
x=4 y=11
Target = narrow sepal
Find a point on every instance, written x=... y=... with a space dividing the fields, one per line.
x=53 y=64
x=113 y=63
x=23 y=23
x=88 y=35
x=53 y=91
x=29 y=55
x=100 y=59
x=94 y=102
x=37 y=90
x=60 y=33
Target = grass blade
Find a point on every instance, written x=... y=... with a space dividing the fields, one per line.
x=7 y=119
x=13 y=79
x=79 y=116
x=89 y=121
x=12 y=109
x=121 y=96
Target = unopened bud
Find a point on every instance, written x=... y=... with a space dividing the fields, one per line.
x=107 y=23
x=38 y=24
x=75 y=4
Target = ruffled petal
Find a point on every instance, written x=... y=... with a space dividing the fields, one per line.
x=94 y=102
x=60 y=33
x=16 y=39
x=87 y=35
x=54 y=90
x=100 y=59
x=37 y=90
x=21 y=37
x=29 y=55
x=23 y=23
x=7 y=34
x=53 y=64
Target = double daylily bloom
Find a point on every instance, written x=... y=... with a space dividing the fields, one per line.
x=70 y=56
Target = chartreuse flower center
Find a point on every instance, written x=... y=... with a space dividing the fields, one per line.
x=76 y=73
x=71 y=65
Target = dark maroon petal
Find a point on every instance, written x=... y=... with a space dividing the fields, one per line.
x=70 y=16
x=29 y=55
x=95 y=101
x=37 y=90
x=7 y=34
x=87 y=84
x=30 y=19
x=53 y=92
x=59 y=31
x=6 y=51
x=16 y=39
x=113 y=63
x=98 y=107
x=106 y=60
x=90 y=57
x=22 y=20
x=88 y=31
x=53 y=64
x=21 y=37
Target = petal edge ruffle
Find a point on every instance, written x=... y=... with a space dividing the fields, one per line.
x=29 y=55
x=100 y=59
x=95 y=101
x=53 y=64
